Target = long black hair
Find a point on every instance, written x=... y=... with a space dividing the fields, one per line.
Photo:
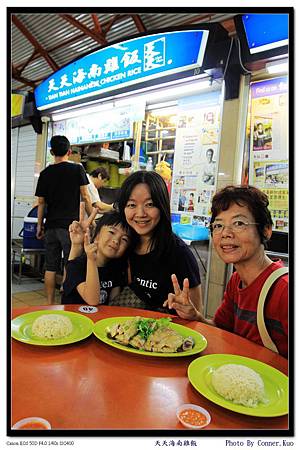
x=162 y=234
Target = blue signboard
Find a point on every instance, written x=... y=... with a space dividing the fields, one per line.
x=273 y=86
x=124 y=64
x=266 y=31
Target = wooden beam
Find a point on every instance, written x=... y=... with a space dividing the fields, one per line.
x=20 y=69
x=229 y=25
x=198 y=18
x=74 y=39
x=16 y=76
x=113 y=20
x=34 y=42
x=100 y=38
x=139 y=23
x=97 y=25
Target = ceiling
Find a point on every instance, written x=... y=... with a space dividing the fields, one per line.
x=43 y=43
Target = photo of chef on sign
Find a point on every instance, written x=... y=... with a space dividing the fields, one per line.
x=209 y=168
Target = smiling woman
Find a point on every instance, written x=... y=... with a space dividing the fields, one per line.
x=241 y=225
x=145 y=204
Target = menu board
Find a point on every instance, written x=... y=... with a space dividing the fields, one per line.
x=268 y=164
x=110 y=125
x=196 y=158
x=113 y=124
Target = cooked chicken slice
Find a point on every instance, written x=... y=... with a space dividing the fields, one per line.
x=113 y=330
x=137 y=342
x=126 y=331
x=164 y=340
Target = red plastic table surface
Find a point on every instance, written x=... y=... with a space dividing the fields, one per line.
x=90 y=385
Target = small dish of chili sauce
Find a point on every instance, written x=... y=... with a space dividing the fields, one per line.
x=193 y=416
x=32 y=423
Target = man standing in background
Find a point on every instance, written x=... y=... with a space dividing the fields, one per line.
x=59 y=188
x=97 y=179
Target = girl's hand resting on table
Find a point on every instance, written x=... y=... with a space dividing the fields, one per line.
x=181 y=302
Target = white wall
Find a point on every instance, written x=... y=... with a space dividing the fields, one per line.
x=23 y=155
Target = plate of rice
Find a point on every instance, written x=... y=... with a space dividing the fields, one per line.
x=51 y=327
x=241 y=384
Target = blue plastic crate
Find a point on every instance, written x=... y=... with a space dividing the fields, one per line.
x=29 y=234
x=191 y=232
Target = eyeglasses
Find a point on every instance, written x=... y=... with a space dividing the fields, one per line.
x=237 y=226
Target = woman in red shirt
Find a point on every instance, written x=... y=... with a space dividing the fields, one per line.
x=241 y=225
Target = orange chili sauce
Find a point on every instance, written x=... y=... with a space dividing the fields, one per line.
x=193 y=417
x=33 y=425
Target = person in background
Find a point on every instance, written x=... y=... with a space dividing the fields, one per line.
x=97 y=274
x=191 y=206
x=97 y=179
x=145 y=204
x=259 y=135
x=182 y=201
x=59 y=187
x=241 y=225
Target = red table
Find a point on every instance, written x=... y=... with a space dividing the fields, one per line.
x=90 y=385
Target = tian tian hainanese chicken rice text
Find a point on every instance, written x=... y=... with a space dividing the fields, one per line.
x=239 y=384
x=52 y=326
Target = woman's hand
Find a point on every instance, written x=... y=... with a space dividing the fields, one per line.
x=181 y=302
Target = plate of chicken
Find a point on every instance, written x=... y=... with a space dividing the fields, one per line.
x=151 y=337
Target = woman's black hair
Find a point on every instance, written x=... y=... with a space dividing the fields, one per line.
x=162 y=234
x=112 y=218
x=256 y=201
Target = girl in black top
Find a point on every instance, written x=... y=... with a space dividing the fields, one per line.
x=160 y=260
x=96 y=275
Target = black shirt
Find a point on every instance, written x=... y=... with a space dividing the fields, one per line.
x=151 y=273
x=60 y=185
x=112 y=275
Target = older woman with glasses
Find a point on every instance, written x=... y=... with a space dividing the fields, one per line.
x=241 y=225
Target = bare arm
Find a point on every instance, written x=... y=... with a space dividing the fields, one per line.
x=103 y=207
x=40 y=227
x=195 y=294
x=86 y=199
x=90 y=289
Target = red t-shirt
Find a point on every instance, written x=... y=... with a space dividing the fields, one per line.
x=237 y=313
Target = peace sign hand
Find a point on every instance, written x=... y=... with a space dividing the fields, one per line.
x=89 y=221
x=78 y=229
x=90 y=248
x=180 y=300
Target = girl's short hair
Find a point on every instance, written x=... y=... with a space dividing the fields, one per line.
x=256 y=201
x=162 y=233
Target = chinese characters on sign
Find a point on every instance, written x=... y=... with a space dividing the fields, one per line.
x=123 y=64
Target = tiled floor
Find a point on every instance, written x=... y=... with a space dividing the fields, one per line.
x=30 y=293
